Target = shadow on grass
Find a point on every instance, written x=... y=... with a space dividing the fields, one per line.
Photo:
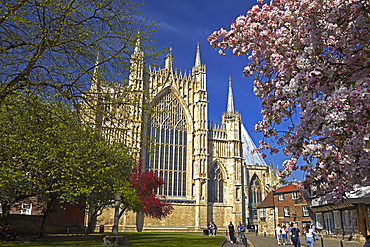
x=165 y=239
x=149 y=239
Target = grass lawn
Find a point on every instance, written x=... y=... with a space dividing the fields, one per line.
x=133 y=239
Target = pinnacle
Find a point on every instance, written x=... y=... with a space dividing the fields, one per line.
x=230 y=101
x=197 y=57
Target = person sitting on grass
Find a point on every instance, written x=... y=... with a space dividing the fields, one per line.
x=214 y=228
x=8 y=232
x=210 y=232
x=3 y=234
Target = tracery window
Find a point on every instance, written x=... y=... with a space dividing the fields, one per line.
x=255 y=191
x=168 y=137
x=215 y=185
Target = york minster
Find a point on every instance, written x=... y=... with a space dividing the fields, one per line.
x=207 y=166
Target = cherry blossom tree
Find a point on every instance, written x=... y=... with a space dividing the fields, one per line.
x=311 y=63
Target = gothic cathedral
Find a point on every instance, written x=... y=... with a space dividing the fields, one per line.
x=208 y=169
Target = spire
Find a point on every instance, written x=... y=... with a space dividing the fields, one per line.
x=270 y=165
x=96 y=69
x=230 y=100
x=169 y=61
x=197 y=57
x=137 y=45
x=137 y=49
x=277 y=169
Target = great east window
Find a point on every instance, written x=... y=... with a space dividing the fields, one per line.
x=167 y=136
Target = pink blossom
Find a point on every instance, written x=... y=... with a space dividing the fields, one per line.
x=308 y=62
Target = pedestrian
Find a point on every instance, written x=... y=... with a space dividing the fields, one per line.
x=290 y=233
x=294 y=237
x=283 y=235
x=214 y=228
x=240 y=230
x=367 y=243
x=2 y=233
x=314 y=229
x=256 y=229
x=310 y=234
x=278 y=232
x=210 y=229
x=232 y=232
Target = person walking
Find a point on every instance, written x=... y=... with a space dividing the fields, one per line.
x=256 y=229
x=232 y=232
x=278 y=232
x=310 y=234
x=283 y=235
x=314 y=229
x=290 y=233
x=240 y=230
x=294 y=237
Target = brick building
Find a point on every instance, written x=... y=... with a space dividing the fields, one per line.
x=25 y=217
x=283 y=207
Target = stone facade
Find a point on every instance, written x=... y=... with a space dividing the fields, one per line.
x=209 y=171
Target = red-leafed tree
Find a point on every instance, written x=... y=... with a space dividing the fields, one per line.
x=146 y=184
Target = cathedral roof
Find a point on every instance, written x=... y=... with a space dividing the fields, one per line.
x=248 y=146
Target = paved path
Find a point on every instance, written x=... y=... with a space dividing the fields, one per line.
x=270 y=241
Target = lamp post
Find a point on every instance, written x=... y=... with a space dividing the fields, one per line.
x=242 y=172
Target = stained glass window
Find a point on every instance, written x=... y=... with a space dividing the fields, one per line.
x=167 y=128
x=215 y=185
x=255 y=196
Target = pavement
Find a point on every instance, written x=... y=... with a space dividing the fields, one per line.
x=270 y=241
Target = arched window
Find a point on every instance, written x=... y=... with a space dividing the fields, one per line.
x=215 y=185
x=167 y=135
x=255 y=196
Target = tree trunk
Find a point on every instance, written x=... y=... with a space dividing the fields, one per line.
x=92 y=221
x=45 y=213
x=139 y=221
x=43 y=222
x=6 y=209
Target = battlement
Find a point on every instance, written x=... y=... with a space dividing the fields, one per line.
x=216 y=130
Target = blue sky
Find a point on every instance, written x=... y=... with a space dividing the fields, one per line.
x=183 y=24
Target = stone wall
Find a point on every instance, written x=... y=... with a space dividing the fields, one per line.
x=183 y=218
x=267 y=225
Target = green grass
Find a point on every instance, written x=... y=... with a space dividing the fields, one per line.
x=149 y=239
